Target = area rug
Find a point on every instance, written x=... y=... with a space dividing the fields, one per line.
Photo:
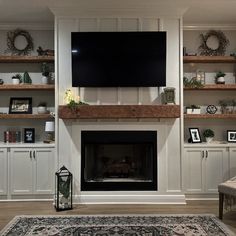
x=125 y=225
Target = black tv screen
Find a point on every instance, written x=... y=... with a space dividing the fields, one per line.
x=118 y=59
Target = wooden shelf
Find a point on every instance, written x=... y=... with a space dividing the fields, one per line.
x=210 y=116
x=26 y=59
x=119 y=111
x=26 y=116
x=209 y=59
x=214 y=87
x=27 y=87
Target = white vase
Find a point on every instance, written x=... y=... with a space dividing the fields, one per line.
x=42 y=110
x=220 y=80
x=15 y=81
x=209 y=139
x=44 y=80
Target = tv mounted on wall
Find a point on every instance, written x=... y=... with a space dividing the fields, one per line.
x=118 y=59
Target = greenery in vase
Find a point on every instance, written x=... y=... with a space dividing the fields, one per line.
x=219 y=74
x=17 y=76
x=192 y=83
x=71 y=101
x=208 y=133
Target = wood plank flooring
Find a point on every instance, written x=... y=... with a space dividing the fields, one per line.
x=10 y=209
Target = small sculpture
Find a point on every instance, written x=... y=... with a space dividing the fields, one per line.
x=47 y=52
x=26 y=78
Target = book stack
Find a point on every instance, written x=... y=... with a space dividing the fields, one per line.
x=12 y=136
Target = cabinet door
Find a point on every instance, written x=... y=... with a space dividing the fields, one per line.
x=216 y=168
x=193 y=166
x=44 y=168
x=3 y=171
x=232 y=162
x=21 y=171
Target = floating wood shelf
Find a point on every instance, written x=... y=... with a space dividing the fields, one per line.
x=27 y=87
x=210 y=116
x=209 y=59
x=25 y=116
x=119 y=111
x=214 y=87
x=26 y=59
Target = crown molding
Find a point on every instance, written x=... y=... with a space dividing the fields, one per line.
x=209 y=26
x=27 y=26
x=128 y=12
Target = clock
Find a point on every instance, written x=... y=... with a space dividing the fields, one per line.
x=211 y=109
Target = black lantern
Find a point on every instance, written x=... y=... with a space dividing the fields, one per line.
x=63 y=189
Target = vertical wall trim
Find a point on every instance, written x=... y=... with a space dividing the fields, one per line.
x=98 y=25
x=181 y=99
x=140 y=89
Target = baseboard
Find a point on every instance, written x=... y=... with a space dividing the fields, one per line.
x=129 y=199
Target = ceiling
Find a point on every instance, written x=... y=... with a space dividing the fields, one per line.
x=217 y=12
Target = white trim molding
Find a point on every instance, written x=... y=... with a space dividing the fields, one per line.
x=27 y=26
x=209 y=26
x=130 y=199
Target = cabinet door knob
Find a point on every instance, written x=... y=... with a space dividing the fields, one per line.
x=30 y=154
x=34 y=154
x=206 y=154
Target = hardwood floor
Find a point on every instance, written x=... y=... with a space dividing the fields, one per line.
x=10 y=209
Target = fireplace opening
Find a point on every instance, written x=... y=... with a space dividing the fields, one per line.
x=118 y=160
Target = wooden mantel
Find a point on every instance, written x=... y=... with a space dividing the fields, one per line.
x=119 y=111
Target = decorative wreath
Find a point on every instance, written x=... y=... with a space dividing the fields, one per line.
x=222 y=40
x=11 y=37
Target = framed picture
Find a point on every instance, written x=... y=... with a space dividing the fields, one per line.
x=195 y=135
x=29 y=135
x=231 y=136
x=20 y=105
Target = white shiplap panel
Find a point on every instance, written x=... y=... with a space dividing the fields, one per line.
x=130 y=24
x=150 y=24
x=88 y=24
x=108 y=96
x=129 y=95
x=108 y=24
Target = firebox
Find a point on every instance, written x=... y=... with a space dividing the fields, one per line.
x=118 y=160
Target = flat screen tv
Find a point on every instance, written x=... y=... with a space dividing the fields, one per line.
x=118 y=59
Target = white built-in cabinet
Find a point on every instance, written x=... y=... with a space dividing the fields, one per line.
x=3 y=171
x=31 y=171
x=232 y=162
x=205 y=167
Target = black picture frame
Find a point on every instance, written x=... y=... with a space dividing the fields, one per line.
x=195 y=136
x=231 y=136
x=29 y=135
x=20 y=105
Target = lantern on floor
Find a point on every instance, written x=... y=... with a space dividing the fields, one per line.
x=63 y=189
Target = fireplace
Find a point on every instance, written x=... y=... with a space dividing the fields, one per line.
x=118 y=160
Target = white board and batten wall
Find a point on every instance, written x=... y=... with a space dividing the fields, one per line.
x=169 y=145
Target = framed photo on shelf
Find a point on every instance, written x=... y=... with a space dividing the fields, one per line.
x=194 y=135
x=29 y=135
x=231 y=136
x=20 y=105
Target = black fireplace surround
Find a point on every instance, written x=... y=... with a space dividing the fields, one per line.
x=118 y=160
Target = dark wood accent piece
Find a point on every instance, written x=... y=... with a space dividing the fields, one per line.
x=26 y=59
x=27 y=87
x=210 y=116
x=119 y=111
x=214 y=87
x=26 y=116
x=209 y=59
x=221 y=205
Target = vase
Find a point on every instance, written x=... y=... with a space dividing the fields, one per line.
x=42 y=110
x=15 y=81
x=44 y=80
x=220 y=80
x=209 y=139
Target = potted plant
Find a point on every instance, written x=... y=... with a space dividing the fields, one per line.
x=209 y=135
x=42 y=108
x=219 y=77
x=193 y=109
x=45 y=72
x=16 y=79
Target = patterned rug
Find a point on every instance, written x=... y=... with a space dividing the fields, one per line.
x=132 y=225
